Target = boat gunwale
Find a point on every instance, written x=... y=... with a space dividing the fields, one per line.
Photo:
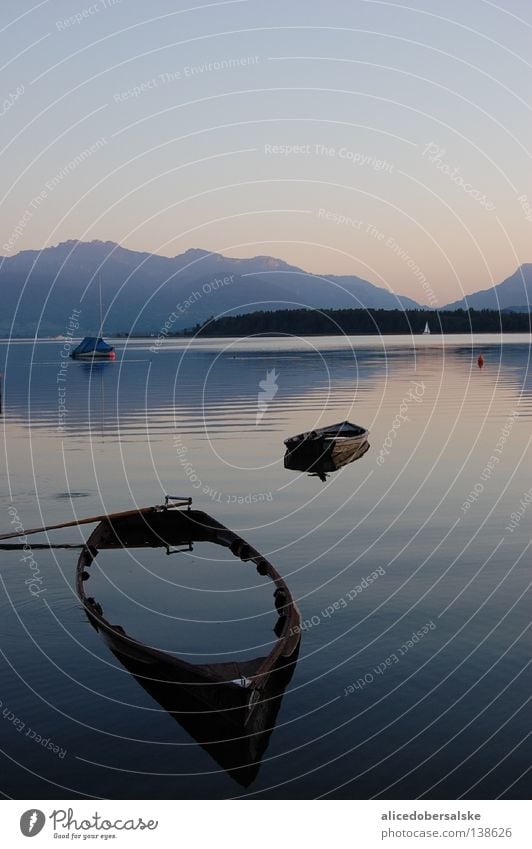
x=287 y=641
x=331 y=433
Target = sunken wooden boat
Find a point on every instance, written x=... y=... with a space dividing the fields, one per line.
x=320 y=460
x=238 y=748
x=230 y=709
x=241 y=690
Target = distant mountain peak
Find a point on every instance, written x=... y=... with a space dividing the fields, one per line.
x=196 y=252
x=271 y=262
x=515 y=291
x=69 y=243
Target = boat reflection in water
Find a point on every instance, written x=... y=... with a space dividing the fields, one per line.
x=319 y=459
x=229 y=708
x=238 y=747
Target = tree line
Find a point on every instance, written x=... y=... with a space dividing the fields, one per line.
x=325 y=322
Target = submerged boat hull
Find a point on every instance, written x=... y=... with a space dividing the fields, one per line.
x=234 y=740
x=236 y=687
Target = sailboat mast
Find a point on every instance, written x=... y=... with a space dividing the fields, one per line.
x=100 y=332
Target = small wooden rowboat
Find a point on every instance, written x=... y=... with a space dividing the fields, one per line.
x=312 y=457
x=237 y=688
x=343 y=434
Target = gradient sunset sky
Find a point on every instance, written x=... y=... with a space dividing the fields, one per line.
x=365 y=137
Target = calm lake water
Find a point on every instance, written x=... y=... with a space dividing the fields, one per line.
x=436 y=512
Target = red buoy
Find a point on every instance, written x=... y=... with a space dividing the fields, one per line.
x=480 y=361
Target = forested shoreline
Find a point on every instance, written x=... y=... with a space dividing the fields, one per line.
x=309 y=322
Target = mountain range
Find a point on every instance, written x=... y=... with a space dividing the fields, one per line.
x=514 y=293
x=149 y=293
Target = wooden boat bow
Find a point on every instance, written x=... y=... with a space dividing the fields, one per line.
x=227 y=686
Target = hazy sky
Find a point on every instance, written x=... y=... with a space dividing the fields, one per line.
x=383 y=139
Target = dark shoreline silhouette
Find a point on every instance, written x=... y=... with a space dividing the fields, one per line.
x=365 y=322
